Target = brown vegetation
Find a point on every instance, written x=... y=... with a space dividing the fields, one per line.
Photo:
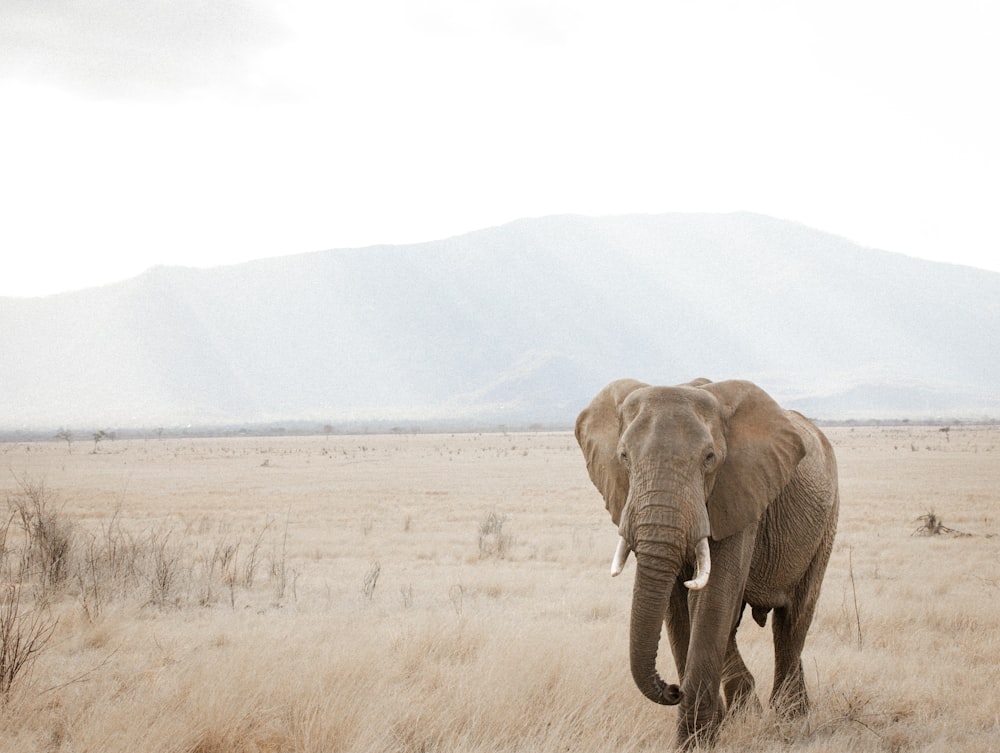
x=450 y=593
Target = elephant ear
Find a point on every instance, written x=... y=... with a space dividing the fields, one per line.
x=763 y=449
x=597 y=432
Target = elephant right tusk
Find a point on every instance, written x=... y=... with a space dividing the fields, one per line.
x=621 y=554
x=703 y=567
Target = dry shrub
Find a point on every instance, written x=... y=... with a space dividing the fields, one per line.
x=48 y=533
x=34 y=558
x=23 y=635
x=932 y=525
x=370 y=580
x=493 y=540
x=165 y=569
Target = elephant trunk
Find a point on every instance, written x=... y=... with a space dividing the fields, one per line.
x=654 y=580
x=663 y=539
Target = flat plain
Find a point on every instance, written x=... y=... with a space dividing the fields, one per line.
x=451 y=592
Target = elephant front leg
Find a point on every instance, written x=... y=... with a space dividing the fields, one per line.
x=701 y=709
x=714 y=613
x=678 y=624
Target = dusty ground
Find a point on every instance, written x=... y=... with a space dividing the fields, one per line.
x=451 y=593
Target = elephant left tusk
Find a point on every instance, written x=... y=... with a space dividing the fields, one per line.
x=703 y=567
x=621 y=554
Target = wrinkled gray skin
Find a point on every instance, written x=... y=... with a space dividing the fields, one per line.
x=719 y=460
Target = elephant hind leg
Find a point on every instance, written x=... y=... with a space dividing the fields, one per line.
x=738 y=684
x=790 y=625
x=789 y=696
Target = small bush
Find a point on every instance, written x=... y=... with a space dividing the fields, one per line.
x=48 y=533
x=23 y=634
x=165 y=571
x=493 y=542
x=371 y=580
x=932 y=525
x=108 y=566
x=279 y=568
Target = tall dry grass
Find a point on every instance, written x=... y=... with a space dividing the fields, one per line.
x=218 y=597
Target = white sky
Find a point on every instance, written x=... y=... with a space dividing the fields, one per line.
x=143 y=132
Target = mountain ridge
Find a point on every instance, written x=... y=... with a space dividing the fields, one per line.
x=521 y=322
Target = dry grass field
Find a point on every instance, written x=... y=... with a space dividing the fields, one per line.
x=451 y=593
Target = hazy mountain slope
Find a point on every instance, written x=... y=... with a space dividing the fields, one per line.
x=518 y=323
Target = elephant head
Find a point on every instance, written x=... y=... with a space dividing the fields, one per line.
x=677 y=465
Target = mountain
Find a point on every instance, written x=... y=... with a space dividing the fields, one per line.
x=514 y=324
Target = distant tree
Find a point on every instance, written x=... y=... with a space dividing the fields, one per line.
x=66 y=436
x=98 y=436
x=327 y=429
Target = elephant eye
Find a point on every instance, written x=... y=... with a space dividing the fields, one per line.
x=709 y=458
x=624 y=457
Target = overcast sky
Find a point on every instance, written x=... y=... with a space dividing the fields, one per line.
x=208 y=132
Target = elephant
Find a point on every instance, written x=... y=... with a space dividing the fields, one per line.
x=726 y=500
